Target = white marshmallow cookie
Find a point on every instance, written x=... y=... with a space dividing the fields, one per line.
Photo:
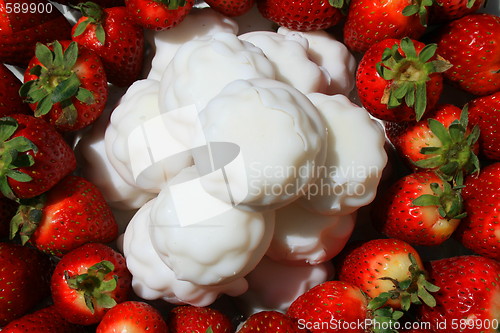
x=303 y=237
x=280 y=136
x=200 y=22
x=202 y=67
x=153 y=279
x=222 y=245
x=355 y=158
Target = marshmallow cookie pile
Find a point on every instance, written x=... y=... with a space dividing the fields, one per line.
x=241 y=160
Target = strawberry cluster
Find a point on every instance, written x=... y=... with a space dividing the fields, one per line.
x=428 y=70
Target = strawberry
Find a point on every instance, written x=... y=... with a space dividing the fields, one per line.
x=323 y=308
x=232 y=7
x=189 y=318
x=485 y=113
x=449 y=10
x=102 y=3
x=300 y=15
x=66 y=85
x=113 y=35
x=467 y=300
x=270 y=321
x=88 y=281
x=420 y=208
x=370 y=22
x=472 y=45
x=159 y=14
x=24 y=280
x=399 y=80
x=72 y=213
x=443 y=142
x=389 y=271
x=23 y=23
x=45 y=320
x=34 y=156
x=132 y=316
x=8 y=209
x=10 y=102
x=480 y=230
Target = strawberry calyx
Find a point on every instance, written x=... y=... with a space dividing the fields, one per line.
x=12 y=157
x=171 y=4
x=27 y=218
x=414 y=290
x=455 y=155
x=57 y=82
x=93 y=14
x=384 y=319
x=93 y=286
x=448 y=200
x=419 y=7
x=409 y=74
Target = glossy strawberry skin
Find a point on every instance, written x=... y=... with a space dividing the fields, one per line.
x=270 y=321
x=300 y=15
x=45 y=320
x=75 y=212
x=19 y=32
x=480 y=230
x=396 y=216
x=90 y=71
x=10 y=101
x=24 y=280
x=189 y=318
x=331 y=301
x=231 y=8
x=53 y=161
x=371 y=86
x=449 y=10
x=364 y=265
x=469 y=288
x=70 y=303
x=472 y=45
x=102 y=3
x=485 y=113
x=371 y=21
x=155 y=15
x=123 y=51
x=132 y=316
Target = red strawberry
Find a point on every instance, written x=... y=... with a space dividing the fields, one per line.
x=66 y=85
x=232 y=7
x=113 y=35
x=34 y=156
x=399 y=80
x=88 y=281
x=132 y=316
x=472 y=45
x=480 y=230
x=370 y=22
x=10 y=102
x=443 y=142
x=23 y=23
x=485 y=113
x=102 y=3
x=72 y=213
x=46 y=320
x=189 y=318
x=270 y=321
x=24 y=280
x=420 y=209
x=389 y=271
x=449 y=10
x=159 y=14
x=301 y=15
x=467 y=300
x=8 y=209
x=330 y=304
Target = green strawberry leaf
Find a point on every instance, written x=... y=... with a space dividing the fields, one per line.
x=44 y=55
x=66 y=89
